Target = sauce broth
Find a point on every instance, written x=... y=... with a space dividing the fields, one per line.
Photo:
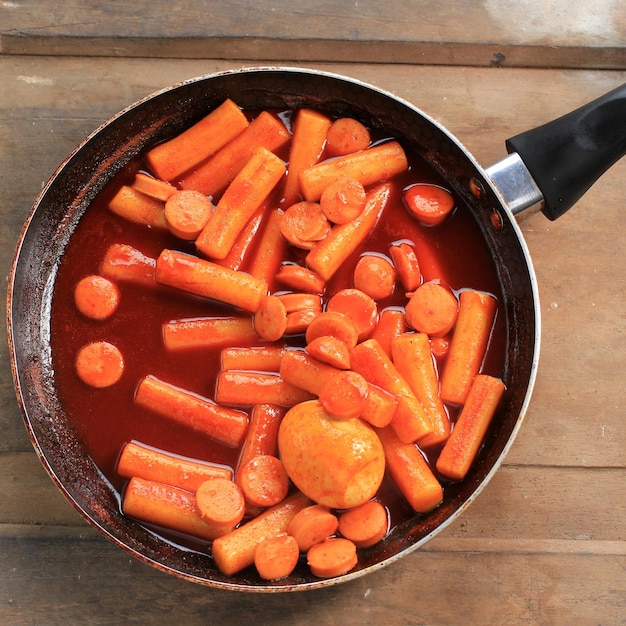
x=106 y=419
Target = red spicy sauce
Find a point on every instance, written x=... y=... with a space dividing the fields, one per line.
x=106 y=419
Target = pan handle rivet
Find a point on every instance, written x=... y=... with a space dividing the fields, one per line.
x=476 y=188
x=496 y=220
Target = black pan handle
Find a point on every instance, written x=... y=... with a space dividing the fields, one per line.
x=566 y=156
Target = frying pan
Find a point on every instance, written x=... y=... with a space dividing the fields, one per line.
x=549 y=167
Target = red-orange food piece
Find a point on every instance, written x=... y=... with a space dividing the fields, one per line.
x=410 y=420
x=303 y=224
x=462 y=446
x=235 y=550
x=209 y=332
x=333 y=557
x=366 y=524
x=99 y=364
x=168 y=507
x=262 y=434
x=263 y=480
x=440 y=346
x=369 y=167
x=347 y=135
x=220 y=502
x=186 y=213
x=477 y=312
x=153 y=187
x=330 y=350
x=345 y=395
x=343 y=200
x=276 y=557
x=429 y=203
x=411 y=472
x=301 y=301
x=330 y=253
x=432 y=309
x=124 y=263
x=189 y=409
x=339 y=463
x=96 y=297
x=307 y=145
x=413 y=358
x=250 y=388
x=357 y=306
x=407 y=265
x=375 y=276
x=300 y=278
x=299 y=321
x=213 y=175
x=137 y=207
x=266 y=358
x=205 y=278
x=380 y=407
x=270 y=321
x=312 y=525
x=163 y=467
x=391 y=323
x=269 y=245
x=333 y=324
x=242 y=198
x=187 y=149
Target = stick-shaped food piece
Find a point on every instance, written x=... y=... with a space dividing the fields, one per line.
x=270 y=249
x=477 y=311
x=412 y=355
x=124 y=263
x=235 y=550
x=391 y=323
x=245 y=194
x=266 y=358
x=137 y=207
x=162 y=467
x=307 y=145
x=369 y=166
x=208 y=332
x=410 y=422
x=208 y=279
x=153 y=187
x=202 y=415
x=262 y=435
x=172 y=158
x=168 y=507
x=250 y=388
x=411 y=472
x=329 y=254
x=461 y=449
x=219 y=170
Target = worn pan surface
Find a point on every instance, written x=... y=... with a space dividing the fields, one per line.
x=78 y=180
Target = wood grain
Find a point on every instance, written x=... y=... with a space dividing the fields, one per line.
x=546 y=33
x=543 y=544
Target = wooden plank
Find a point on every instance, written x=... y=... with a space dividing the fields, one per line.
x=551 y=33
x=93 y=582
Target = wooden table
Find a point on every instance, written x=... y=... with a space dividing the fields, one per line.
x=545 y=542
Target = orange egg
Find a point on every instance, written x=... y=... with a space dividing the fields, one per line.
x=339 y=463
